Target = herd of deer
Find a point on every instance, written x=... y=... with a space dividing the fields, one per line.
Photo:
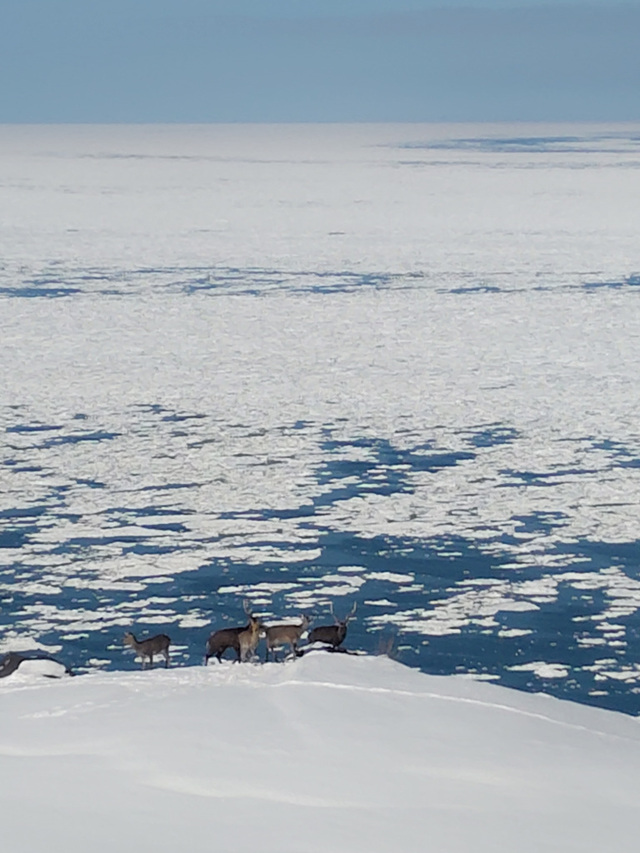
x=244 y=639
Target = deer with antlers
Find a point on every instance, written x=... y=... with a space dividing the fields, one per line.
x=243 y=640
x=278 y=636
x=332 y=635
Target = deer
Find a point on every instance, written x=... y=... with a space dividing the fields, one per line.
x=282 y=635
x=332 y=635
x=243 y=640
x=158 y=645
x=249 y=638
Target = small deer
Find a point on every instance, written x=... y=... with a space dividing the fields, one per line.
x=332 y=635
x=158 y=645
x=242 y=640
x=282 y=635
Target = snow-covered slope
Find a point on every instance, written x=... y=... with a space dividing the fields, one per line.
x=332 y=752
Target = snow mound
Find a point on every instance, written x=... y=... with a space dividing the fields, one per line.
x=327 y=752
x=30 y=665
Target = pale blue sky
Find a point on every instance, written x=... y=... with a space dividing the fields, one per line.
x=318 y=60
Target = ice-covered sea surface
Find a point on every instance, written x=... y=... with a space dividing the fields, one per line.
x=393 y=365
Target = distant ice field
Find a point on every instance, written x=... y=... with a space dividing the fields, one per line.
x=391 y=365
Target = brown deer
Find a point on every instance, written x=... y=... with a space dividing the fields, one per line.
x=242 y=640
x=332 y=635
x=158 y=645
x=282 y=635
x=249 y=638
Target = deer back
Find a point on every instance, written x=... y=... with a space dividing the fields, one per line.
x=329 y=634
x=279 y=635
x=224 y=638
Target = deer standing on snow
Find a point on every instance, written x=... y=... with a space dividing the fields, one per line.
x=243 y=640
x=282 y=635
x=332 y=635
x=158 y=645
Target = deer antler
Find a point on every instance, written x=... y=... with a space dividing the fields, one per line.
x=335 y=618
x=353 y=611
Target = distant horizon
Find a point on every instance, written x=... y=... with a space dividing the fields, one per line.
x=493 y=122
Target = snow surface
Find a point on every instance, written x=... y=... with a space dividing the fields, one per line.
x=330 y=752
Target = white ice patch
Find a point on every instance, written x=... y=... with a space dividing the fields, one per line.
x=542 y=669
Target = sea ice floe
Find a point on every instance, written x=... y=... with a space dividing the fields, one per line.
x=542 y=669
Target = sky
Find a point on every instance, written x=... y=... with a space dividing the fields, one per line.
x=318 y=60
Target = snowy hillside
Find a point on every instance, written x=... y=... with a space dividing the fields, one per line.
x=332 y=752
